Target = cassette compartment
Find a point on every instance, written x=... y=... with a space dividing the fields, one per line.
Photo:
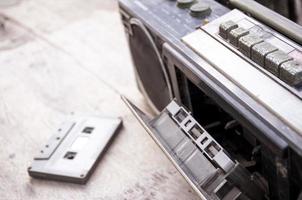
x=201 y=160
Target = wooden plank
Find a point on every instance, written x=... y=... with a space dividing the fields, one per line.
x=75 y=61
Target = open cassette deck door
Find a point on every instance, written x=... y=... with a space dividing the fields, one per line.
x=204 y=164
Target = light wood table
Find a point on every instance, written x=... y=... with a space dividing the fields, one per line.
x=70 y=57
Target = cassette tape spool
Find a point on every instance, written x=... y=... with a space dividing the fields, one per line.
x=72 y=152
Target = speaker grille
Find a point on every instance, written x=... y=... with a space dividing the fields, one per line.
x=151 y=74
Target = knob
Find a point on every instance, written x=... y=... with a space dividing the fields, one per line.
x=185 y=3
x=200 y=10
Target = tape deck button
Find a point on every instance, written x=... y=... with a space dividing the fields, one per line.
x=226 y=27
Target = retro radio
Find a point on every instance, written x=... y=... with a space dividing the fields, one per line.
x=235 y=68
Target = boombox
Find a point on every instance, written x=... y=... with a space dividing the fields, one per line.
x=228 y=75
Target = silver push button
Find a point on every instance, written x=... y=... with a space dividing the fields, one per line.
x=237 y=33
x=260 y=51
x=291 y=73
x=274 y=60
x=226 y=27
x=246 y=43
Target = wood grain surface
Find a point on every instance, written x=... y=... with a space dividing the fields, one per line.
x=70 y=57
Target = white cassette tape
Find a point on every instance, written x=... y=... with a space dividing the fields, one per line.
x=72 y=152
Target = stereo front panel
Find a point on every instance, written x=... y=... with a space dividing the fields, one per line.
x=177 y=18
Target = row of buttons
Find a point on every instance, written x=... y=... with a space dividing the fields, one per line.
x=263 y=53
x=197 y=9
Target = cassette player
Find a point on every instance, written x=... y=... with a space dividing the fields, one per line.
x=237 y=67
x=72 y=152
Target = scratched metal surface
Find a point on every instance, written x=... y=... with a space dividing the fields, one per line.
x=61 y=58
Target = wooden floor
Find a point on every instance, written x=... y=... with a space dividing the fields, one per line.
x=70 y=57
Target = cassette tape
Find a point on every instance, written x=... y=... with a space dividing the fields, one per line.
x=73 y=151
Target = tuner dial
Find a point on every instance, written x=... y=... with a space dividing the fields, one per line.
x=200 y=10
x=185 y=3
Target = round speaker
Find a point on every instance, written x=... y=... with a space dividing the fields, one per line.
x=151 y=74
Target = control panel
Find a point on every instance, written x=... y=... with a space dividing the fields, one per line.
x=261 y=46
x=178 y=17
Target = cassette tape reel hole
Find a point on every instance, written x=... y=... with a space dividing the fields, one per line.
x=70 y=155
x=88 y=130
